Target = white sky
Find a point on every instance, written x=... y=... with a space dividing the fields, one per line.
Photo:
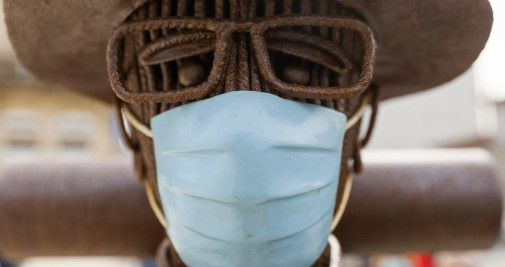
x=490 y=69
x=5 y=46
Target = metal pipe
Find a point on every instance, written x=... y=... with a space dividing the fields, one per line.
x=404 y=201
x=423 y=200
x=80 y=208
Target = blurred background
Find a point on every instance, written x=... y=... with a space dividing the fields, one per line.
x=44 y=122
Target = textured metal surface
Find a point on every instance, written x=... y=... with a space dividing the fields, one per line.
x=421 y=43
x=92 y=207
x=180 y=44
x=405 y=201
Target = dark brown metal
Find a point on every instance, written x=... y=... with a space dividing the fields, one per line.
x=223 y=30
x=405 y=201
x=374 y=100
x=422 y=43
x=177 y=46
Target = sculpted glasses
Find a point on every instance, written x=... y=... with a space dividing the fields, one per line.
x=191 y=36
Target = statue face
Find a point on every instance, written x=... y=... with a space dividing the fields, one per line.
x=155 y=61
x=189 y=52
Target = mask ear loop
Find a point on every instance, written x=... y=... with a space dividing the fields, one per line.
x=343 y=203
x=139 y=126
x=135 y=122
x=348 y=180
x=119 y=115
x=358 y=114
x=374 y=98
x=155 y=206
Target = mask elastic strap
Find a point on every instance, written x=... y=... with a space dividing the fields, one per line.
x=374 y=99
x=358 y=114
x=145 y=130
x=343 y=203
x=348 y=180
x=134 y=146
x=155 y=206
x=135 y=122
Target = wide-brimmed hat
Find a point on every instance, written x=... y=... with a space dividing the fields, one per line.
x=421 y=43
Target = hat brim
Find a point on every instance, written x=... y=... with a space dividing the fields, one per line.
x=424 y=43
x=421 y=43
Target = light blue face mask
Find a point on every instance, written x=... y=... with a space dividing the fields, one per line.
x=248 y=179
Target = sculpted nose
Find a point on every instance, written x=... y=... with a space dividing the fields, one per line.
x=242 y=73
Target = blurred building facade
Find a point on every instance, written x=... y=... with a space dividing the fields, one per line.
x=46 y=122
x=40 y=121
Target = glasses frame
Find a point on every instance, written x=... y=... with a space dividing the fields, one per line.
x=224 y=29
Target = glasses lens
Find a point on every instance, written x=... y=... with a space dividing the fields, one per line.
x=315 y=56
x=184 y=56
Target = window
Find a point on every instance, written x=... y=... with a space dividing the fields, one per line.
x=22 y=130
x=74 y=132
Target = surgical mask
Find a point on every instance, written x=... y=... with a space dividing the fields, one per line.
x=248 y=178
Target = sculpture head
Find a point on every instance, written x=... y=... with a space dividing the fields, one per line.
x=316 y=55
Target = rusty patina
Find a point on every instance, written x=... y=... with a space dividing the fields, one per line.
x=195 y=37
x=421 y=44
